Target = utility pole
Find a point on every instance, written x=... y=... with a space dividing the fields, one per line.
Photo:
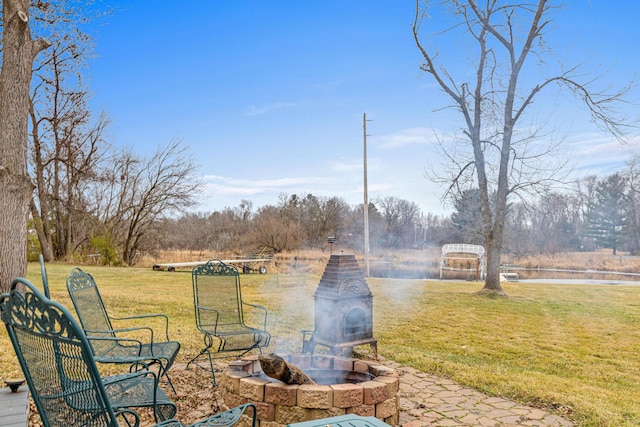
x=366 y=199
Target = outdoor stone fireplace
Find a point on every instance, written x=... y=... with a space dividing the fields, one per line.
x=343 y=308
x=344 y=386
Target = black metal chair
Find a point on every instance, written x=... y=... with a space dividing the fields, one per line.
x=220 y=315
x=58 y=363
x=108 y=344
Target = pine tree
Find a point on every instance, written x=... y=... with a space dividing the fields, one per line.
x=467 y=218
x=606 y=214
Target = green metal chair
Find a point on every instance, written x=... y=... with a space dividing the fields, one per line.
x=108 y=343
x=220 y=315
x=45 y=279
x=57 y=361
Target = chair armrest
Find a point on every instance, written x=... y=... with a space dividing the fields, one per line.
x=124 y=342
x=121 y=330
x=259 y=308
x=200 y=324
x=114 y=379
x=147 y=316
x=203 y=308
x=139 y=361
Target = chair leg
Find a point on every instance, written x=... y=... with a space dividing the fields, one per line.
x=166 y=375
x=208 y=341
x=213 y=371
x=210 y=369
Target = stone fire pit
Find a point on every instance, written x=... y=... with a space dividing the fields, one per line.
x=345 y=386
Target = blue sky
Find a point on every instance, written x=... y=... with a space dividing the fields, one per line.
x=270 y=95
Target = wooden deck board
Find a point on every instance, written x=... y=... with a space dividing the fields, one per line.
x=14 y=407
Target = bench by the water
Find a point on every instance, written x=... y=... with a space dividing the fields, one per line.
x=509 y=272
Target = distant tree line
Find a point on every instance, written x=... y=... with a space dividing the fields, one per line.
x=598 y=213
x=297 y=222
x=133 y=205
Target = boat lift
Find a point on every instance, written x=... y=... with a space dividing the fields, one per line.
x=453 y=254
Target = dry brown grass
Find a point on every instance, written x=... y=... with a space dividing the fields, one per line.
x=424 y=264
x=601 y=260
x=552 y=346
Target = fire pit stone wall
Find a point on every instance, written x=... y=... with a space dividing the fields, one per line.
x=280 y=404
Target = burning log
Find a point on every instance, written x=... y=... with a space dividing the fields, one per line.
x=276 y=367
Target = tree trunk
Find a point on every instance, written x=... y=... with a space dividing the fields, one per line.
x=18 y=54
x=42 y=232
x=492 y=281
x=40 y=221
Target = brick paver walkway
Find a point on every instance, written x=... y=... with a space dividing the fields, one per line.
x=427 y=400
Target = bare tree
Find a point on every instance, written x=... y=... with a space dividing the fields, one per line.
x=550 y=224
x=500 y=155
x=437 y=229
x=19 y=51
x=66 y=147
x=321 y=217
x=400 y=219
x=141 y=192
x=276 y=229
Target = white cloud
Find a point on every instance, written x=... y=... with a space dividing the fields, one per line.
x=356 y=166
x=600 y=154
x=230 y=185
x=264 y=109
x=410 y=136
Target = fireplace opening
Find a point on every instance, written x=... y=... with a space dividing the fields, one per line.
x=355 y=324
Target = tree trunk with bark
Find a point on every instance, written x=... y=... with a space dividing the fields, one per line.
x=18 y=54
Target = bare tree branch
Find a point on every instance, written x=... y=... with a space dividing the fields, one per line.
x=507 y=157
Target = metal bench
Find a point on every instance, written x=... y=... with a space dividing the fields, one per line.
x=510 y=272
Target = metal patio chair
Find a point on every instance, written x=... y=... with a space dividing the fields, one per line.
x=220 y=315
x=45 y=279
x=116 y=345
x=57 y=361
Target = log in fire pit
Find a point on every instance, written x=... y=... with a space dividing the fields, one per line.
x=343 y=308
x=343 y=386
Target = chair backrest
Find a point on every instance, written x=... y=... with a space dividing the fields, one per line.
x=56 y=359
x=216 y=286
x=45 y=279
x=90 y=308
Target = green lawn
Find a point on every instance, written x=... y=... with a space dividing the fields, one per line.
x=565 y=348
